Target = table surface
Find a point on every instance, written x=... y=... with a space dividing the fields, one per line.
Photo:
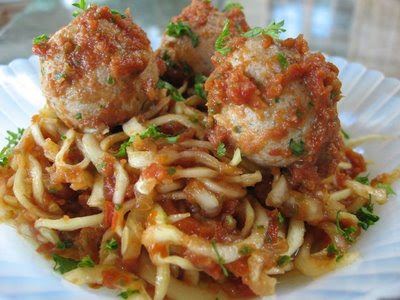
x=366 y=31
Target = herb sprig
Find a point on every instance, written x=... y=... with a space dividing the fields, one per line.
x=232 y=5
x=153 y=132
x=80 y=5
x=273 y=30
x=172 y=91
x=180 y=29
x=345 y=232
x=366 y=216
x=12 y=141
x=199 y=81
x=40 y=39
x=122 y=149
x=220 y=43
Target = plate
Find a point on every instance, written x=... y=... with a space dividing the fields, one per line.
x=371 y=105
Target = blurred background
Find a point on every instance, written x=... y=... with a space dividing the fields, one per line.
x=366 y=31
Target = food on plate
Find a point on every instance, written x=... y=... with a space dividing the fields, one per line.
x=188 y=42
x=207 y=189
x=98 y=71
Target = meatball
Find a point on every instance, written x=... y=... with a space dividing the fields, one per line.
x=98 y=71
x=181 y=54
x=274 y=100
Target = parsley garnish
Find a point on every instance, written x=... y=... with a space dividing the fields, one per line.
x=345 y=134
x=297 y=148
x=153 y=132
x=78 y=116
x=122 y=149
x=245 y=250
x=117 y=13
x=199 y=86
x=110 y=80
x=346 y=232
x=221 y=150
x=387 y=187
x=117 y=206
x=172 y=91
x=86 y=262
x=282 y=60
x=179 y=29
x=221 y=41
x=169 y=62
x=231 y=5
x=366 y=217
x=81 y=5
x=171 y=171
x=64 y=244
x=12 y=141
x=281 y=218
x=273 y=30
x=220 y=260
x=363 y=179
x=111 y=245
x=40 y=39
x=63 y=264
x=283 y=260
x=127 y=293
x=334 y=251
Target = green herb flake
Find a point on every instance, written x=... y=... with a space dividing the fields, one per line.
x=63 y=264
x=126 y=294
x=81 y=5
x=297 y=148
x=40 y=39
x=220 y=260
x=110 y=80
x=153 y=132
x=273 y=30
x=63 y=137
x=172 y=91
x=281 y=218
x=171 y=64
x=12 y=141
x=366 y=217
x=345 y=232
x=245 y=250
x=64 y=244
x=221 y=150
x=387 y=187
x=111 y=245
x=220 y=43
x=363 y=179
x=237 y=129
x=122 y=149
x=283 y=260
x=117 y=206
x=171 y=171
x=282 y=60
x=101 y=166
x=277 y=100
x=199 y=81
x=334 y=251
x=180 y=29
x=345 y=134
x=86 y=262
x=117 y=13
x=232 y=5
x=78 y=116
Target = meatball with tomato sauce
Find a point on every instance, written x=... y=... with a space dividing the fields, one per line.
x=189 y=41
x=98 y=71
x=274 y=100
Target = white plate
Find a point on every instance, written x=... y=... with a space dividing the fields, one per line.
x=371 y=105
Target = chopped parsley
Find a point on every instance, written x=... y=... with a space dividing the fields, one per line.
x=63 y=264
x=273 y=30
x=12 y=141
x=81 y=5
x=345 y=134
x=171 y=64
x=363 y=179
x=172 y=91
x=171 y=171
x=78 y=116
x=110 y=80
x=117 y=13
x=281 y=218
x=221 y=150
x=220 y=260
x=283 y=260
x=345 y=232
x=334 y=251
x=387 y=187
x=180 y=29
x=127 y=293
x=199 y=86
x=153 y=132
x=245 y=250
x=122 y=149
x=282 y=60
x=86 y=262
x=40 y=39
x=297 y=148
x=366 y=217
x=277 y=100
x=64 y=244
x=111 y=245
x=117 y=206
x=220 y=43
x=232 y=5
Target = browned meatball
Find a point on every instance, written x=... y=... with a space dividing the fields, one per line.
x=274 y=100
x=98 y=71
x=206 y=22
